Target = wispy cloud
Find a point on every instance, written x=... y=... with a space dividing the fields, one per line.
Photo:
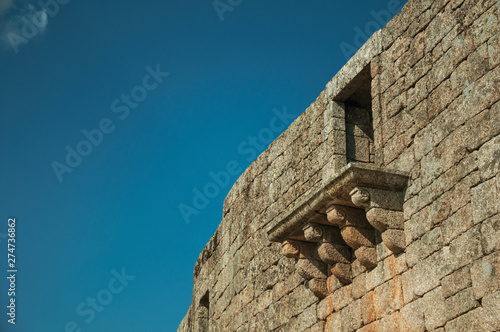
x=5 y=5
x=21 y=22
x=26 y=20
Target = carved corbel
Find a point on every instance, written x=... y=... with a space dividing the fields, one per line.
x=356 y=232
x=290 y=248
x=384 y=212
x=318 y=287
x=342 y=271
x=311 y=268
x=331 y=249
x=308 y=265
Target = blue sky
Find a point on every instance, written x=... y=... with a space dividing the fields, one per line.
x=86 y=223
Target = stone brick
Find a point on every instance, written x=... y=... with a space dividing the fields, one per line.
x=397 y=49
x=434 y=309
x=390 y=323
x=391 y=93
x=478 y=63
x=472 y=321
x=342 y=297
x=373 y=327
x=459 y=195
x=408 y=288
x=417 y=94
x=423 y=247
x=420 y=117
x=440 y=210
x=431 y=134
x=349 y=319
x=457 y=224
x=460 y=303
x=264 y=300
x=489 y=158
x=484 y=200
x=418 y=71
x=494 y=56
x=352 y=317
x=385 y=270
x=479 y=130
x=388 y=297
x=441 y=70
x=333 y=322
x=467 y=166
x=490 y=234
x=466 y=248
x=278 y=313
x=381 y=249
x=418 y=224
x=325 y=308
x=393 y=148
x=306 y=319
x=485 y=26
x=368 y=308
x=449 y=152
x=439 y=27
x=495 y=120
x=318 y=327
x=387 y=78
x=265 y=280
x=491 y=312
x=456 y=281
x=485 y=274
x=300 y=299
x=243 y=328
x=333 y=284
x=358 y=286
x=440 y=98
x=446 y=43
x=428 y=273
x=483 y=93
x=418 y=49
x=357 y=268
x=412 y=317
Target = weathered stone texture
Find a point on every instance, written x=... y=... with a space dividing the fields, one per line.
x=421 y=97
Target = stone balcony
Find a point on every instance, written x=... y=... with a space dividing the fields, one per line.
x=339 y=222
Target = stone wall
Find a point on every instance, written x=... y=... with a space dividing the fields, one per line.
x=404 y=239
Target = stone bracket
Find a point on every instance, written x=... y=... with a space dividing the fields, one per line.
x=384 y=211
x=356 y=232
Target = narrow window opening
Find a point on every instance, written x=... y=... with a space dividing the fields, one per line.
x=359 y=120
x=204 y=313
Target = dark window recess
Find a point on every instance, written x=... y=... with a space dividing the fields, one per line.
x=359 y=120
x=203 y=314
